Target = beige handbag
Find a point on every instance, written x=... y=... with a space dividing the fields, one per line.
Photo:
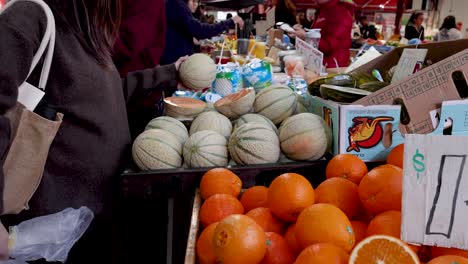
x=31 y=134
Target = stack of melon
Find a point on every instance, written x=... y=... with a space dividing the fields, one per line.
x=250 y=129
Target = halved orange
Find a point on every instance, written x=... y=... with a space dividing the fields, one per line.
x=382 y=250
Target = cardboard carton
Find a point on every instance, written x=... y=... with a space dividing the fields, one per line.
x=371 y=127
x=423 y=92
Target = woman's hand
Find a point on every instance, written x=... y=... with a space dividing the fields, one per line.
x=179 y=62
x=238 y=20
x=3 y=243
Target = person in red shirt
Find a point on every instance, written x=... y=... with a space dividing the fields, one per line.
x=335 y=20
x=140 y=46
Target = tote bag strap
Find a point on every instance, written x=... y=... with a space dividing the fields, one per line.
x=48 y=42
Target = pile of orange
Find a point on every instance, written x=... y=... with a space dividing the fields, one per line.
x=352 y=217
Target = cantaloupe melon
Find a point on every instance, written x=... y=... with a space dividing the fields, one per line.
x=276 y=102
x=237 y=104
x=198 y=72
x=183 y=108
x=304 y=137
x=206 y=149
x=255 y=118
x=157 y=149
x=171 y=125
x=213 y=121
x=254 y=143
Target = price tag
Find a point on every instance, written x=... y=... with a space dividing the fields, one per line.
x=313 y=58
x=411 y=61
x=435 y=197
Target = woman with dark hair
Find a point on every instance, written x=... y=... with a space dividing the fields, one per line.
x=285 y=11
x=87 y=155
x=448 y=30
x=414 y=28
x=183 y=28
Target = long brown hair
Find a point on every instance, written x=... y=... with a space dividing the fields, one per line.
x=95 y=22
x=287 y=5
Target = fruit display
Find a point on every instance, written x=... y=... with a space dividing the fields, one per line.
x=254 y=143
x=305 y=137
x=171 y=125
x=276 y=103
x=197 y=72
x=212 y=121
x=235 y=105
x=205 y=149
x=297 y=223
x=271 y=133
x=157 y=149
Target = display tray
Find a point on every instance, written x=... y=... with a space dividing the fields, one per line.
x=140 y=184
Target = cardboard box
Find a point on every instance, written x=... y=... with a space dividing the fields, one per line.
x=435 y=177
x=371 y=127
x=423 y=92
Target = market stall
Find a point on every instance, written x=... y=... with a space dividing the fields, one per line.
x=361 y=107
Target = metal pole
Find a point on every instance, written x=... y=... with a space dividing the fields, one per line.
x=400 y=10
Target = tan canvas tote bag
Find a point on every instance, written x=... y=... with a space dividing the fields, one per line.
x=31 y=134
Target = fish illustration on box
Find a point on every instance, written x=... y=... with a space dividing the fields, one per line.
x=366 y=132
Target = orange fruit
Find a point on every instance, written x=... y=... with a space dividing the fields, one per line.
x=288 y=195
x=324 y=223
x=323 y=253
x=449 y=259
x=441 y=251
x=387 y=223
x=341 y=193
x=218 y=207
x=360 y=229
x=238 y=239
x=219 y=181
x=290 y=237
x=255 y=197
x=396 y=156
x=265 y=218
x=346 y=166
x=205 y=247
x=374 y=249
x=278 y=251
x=380 y=190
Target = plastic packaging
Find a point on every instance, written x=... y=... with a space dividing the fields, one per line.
x=294 y=65
x=257 y=74
x=283 y=54
x=50 y=237
x=228 y=80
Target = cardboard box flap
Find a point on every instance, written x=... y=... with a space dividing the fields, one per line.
x=424 y=92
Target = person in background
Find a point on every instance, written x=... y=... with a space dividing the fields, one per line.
x=211 y=19
x=285 y=11
x=139 y=46
x=91 y=147
x=414 y=28
x=200 y=14
x=448 y=30
x=335 y=20
x=367 y=30
x=183 y=27
x=228 y=16
x=310 y=18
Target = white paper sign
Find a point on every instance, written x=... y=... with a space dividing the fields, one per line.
x=435 y=191
x=411 y=61
x=313 y=58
